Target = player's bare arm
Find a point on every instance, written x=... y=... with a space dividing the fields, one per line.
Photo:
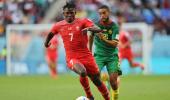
x=113 y=43
x=91 y=38
x=93 y=29
x=47 y=41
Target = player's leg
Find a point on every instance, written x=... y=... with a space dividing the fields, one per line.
x=100 y=63
x=100 y=85
x=135 y=64
x=93 y=73
x=52 y=66
x=114 y=85
x=132 y=62
x=104 y=76
x=79 y=68
x=85 y=83
x=114 y=71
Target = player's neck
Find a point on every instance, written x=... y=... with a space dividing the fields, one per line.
x=70 y=22
x=108 y=22
x=120 y=28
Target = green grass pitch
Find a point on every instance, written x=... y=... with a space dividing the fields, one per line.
x=67 y=87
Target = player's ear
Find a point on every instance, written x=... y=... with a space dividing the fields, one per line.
x=63 y=13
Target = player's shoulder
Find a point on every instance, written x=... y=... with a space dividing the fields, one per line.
x=114 y=23
x=84 y=19
x=59 y=23
x=124 y=33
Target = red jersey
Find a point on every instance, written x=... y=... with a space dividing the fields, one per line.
x=126 y=52
x=75 y=42
x=124 y=37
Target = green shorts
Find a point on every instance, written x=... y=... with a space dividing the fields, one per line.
x=112 y=63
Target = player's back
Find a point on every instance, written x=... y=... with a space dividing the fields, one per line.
x=75 y=42
x=124 y=38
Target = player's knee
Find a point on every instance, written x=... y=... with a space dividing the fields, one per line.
x=80 y=70
x=83 y=73
x=96 y=80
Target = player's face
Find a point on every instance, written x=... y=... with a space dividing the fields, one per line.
x=69 y=14
x=120 y=21
x=104 y=14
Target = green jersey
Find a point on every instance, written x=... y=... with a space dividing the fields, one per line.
x=111 y=32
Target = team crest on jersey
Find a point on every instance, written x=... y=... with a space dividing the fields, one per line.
x=105 y=30
x=110 y=31
x=70 y=28
x=77 y=28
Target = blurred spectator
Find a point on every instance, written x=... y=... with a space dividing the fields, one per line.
x=33 y=11
x=22 y=12
x=154 y=12
x=25 y=11
x=161 y=27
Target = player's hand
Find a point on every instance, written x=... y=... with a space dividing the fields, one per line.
x=52 y=46
x=47 y=44
x=101 y=36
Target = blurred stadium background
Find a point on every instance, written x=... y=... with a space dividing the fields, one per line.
x=23 y=24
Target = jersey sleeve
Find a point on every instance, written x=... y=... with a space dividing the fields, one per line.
x=87 y=23
x=115 y=34
x=54 y=28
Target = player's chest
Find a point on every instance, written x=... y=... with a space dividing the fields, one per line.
x=108 y=32
x=71 y=32
x=71 y=28
x=107 y=29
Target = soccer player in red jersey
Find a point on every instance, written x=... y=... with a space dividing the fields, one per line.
x=78 y=57
x=125 y=50
x=52 y=56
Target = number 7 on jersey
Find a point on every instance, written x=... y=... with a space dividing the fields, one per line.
x=71 y=36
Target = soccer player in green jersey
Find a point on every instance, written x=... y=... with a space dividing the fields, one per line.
x=106 y=50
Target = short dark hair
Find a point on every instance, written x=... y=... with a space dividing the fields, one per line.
x=104 y=7
x=119 y=14
x=69 y=5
